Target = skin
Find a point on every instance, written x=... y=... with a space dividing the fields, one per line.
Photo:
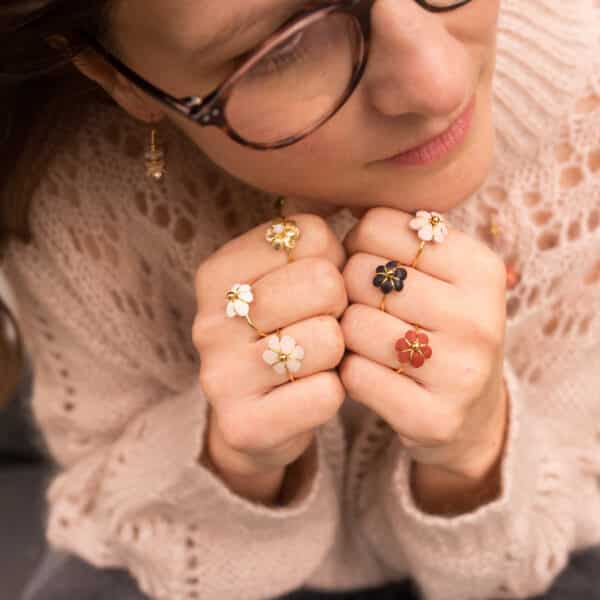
x=423 y=70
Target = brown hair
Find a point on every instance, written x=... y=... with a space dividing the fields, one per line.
x=36 y=75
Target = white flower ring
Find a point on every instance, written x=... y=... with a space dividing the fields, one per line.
x=239 y=298
x=283 y=354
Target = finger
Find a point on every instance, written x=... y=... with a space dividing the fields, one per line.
x=383 y=231
x=249 y=257
x=286 y=412
x=424 y=300
x=295 y=292
x=248 y=374
x=373 y=334
x=407 y=406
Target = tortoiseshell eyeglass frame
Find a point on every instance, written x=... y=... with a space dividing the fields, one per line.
x=210 y=110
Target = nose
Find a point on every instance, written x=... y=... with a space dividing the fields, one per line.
x=415 y=64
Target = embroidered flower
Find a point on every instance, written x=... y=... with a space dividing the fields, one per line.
x=239 y=298
x=430 y=225
x=390 y=277
x=283 y=234
x=283 y=354
x=413 y=348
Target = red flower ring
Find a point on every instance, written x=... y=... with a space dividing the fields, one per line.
x=413 y=348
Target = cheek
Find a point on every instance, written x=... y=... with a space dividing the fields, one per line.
x=283 y=171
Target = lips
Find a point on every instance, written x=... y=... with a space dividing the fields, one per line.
x=439 y=139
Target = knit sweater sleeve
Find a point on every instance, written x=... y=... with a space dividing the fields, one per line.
x=120 y=411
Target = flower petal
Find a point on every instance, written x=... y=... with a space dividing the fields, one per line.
x=425 y=214
x=270 y=357
x=241 y=308
x=280 y=368
x=230 y=310
x=288 y=343
x=439 y=234
x=417 y=223
x=402 y=344
x=411 y=335
x=293 y=365
x=417 y=359
x=426 y=233
x=298 y=352
x=404 y=356
x=246 y=296
x=245 y=288
x=423 y=339
x=273 y=343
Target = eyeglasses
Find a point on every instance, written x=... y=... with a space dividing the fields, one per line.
x=293 y=83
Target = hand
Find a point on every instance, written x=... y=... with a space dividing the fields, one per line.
x=450 y=411
x=260 y=423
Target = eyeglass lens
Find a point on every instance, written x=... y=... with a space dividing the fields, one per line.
x=298 y=83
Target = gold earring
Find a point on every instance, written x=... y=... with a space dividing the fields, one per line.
x=154 y=159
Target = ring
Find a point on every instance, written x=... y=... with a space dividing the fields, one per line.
x=413 y=348
x=430 y=226
x=283 y=234
x=239 y=298
x=389 y=277
x=284 y=355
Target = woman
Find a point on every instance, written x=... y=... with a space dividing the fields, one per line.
x=395 y=382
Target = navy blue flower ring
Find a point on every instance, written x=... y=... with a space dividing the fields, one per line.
x=389 y=277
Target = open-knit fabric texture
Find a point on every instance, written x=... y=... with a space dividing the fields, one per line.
x=107 y=301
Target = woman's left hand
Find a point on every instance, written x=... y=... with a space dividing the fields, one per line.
x=451 y=411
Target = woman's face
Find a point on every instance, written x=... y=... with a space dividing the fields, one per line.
x=425 y=70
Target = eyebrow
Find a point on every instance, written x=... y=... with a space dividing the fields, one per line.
x=280 y=10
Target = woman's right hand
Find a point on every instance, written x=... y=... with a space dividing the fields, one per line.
x=259 y=422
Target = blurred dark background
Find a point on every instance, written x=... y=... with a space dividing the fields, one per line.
x=23 y=473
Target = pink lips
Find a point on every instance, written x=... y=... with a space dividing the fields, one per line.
x=441 y=145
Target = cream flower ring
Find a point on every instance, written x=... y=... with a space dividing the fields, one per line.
x=283 y=354
x=239 y=298
x=430 y=226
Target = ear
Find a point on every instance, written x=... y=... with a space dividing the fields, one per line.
x=125 y=93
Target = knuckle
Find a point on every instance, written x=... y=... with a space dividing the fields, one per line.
x=237 y=431
x=210 y=382
x=199 y=331
x=204 y=273
x=323 y=238
x=331 y=338
x=488 y=334
x=354 y=269
x=350 y=374
x=447 y=430
x=492 y=266
x=351 y=321
x=330 y=283
x=371 y=222
x=332 y=392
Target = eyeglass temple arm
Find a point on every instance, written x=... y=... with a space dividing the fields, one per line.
x=189 y=105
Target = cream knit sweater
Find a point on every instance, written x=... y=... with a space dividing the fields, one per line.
x=107 y=301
